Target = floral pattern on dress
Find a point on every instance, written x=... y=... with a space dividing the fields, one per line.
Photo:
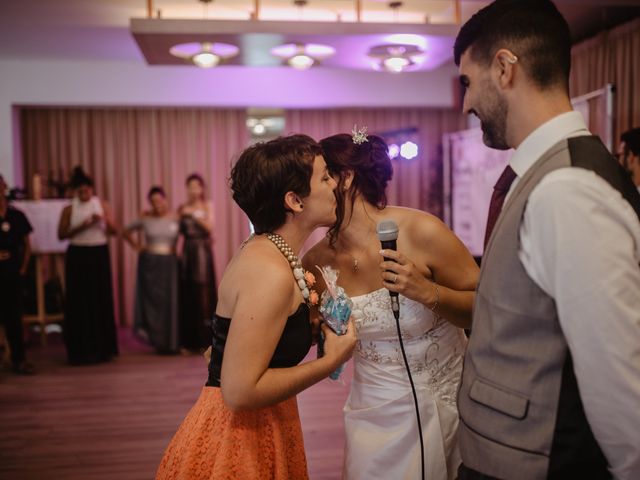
x=424 y=336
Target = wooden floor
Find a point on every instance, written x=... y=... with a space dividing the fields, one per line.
x=113 y=421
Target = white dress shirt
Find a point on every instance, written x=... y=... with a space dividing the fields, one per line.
x=580 y=243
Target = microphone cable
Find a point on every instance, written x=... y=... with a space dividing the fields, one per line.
x=396 y=314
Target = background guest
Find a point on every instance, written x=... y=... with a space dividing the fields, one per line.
x=629 y=154
x=198 y=295
x=156 y=304
x=15 y=251
x=89 y=327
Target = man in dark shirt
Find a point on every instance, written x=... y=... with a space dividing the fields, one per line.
x=15 y=251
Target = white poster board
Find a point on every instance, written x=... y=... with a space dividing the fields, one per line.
x=44 y=216
x=474 y=170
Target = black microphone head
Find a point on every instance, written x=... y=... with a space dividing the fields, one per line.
x=387 y=231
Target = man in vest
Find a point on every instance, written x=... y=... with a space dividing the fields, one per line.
x=551 y=380
x=629 y=154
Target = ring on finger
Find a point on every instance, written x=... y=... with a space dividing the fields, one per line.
x=395 y=277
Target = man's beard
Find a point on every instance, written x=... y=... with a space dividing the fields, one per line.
x=494 y=123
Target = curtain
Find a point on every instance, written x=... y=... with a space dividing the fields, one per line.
x=613 y=57
x=126 y=151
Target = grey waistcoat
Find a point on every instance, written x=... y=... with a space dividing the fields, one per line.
x=513 y=373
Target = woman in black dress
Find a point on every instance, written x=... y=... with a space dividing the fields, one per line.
x=89 y=325
x=198 y=295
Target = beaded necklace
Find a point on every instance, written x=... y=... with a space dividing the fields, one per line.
x=304 y=279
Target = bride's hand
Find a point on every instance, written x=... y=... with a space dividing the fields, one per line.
x=404 y=277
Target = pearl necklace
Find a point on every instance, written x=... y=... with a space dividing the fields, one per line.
x=304 y=283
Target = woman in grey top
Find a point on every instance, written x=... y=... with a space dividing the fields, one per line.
x=156 y=304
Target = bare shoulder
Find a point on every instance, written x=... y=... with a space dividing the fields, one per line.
x=418 y=225
x=259 y=264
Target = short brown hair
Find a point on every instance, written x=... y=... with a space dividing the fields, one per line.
x=266 y=171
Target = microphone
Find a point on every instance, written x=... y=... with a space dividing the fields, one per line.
x=388 y=235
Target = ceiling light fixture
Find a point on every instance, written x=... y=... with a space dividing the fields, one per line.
x=395 y=58
x=302 y=56
x=204 y=54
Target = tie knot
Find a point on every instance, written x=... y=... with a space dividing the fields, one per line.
x=506 y=179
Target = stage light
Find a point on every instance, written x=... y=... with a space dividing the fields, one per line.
x=394 y=151
x=409 y=150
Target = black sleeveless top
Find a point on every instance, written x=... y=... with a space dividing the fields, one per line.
x=293 y=346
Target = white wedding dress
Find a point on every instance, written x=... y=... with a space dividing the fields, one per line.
x=380 y=420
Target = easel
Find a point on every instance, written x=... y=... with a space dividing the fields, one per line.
x=41 y=317
x=43 y=216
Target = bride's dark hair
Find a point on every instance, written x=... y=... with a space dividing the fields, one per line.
x=371 y=167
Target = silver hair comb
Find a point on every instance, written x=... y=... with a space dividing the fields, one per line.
x=359 y=136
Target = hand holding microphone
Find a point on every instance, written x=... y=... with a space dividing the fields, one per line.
x=388 y=235
x=399 y=274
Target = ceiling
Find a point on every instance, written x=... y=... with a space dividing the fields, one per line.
x=100 y=30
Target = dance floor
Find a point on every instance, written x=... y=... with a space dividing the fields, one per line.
x=113 y=421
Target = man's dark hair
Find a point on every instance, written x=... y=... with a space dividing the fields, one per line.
x=534 y=30
x=265 y=172
x=631 y=139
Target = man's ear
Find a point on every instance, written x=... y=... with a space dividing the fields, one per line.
x=293 y=203
x=505 y=63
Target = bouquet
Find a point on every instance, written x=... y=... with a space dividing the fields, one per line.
x=335 y=308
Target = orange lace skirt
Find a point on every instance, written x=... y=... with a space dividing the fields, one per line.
x=214 y=442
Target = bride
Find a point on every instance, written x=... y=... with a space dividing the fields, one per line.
x=436 y=278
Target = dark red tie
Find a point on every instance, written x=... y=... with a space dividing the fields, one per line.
x=497 y=199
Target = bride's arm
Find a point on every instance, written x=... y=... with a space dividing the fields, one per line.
x=447 y=284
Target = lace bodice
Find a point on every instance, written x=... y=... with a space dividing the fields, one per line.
x=434 y=347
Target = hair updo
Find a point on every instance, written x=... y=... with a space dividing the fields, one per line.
x=371 y=167
x=79 y=178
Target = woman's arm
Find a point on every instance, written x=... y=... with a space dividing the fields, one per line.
x=127 y=234
x=447 y=285
x=259 y=318
x=110 y=224
x=26 y=256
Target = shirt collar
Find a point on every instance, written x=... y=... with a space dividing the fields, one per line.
x=565 y=125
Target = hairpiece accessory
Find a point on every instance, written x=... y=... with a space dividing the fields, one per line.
x=304 y=279
x=359 y=136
